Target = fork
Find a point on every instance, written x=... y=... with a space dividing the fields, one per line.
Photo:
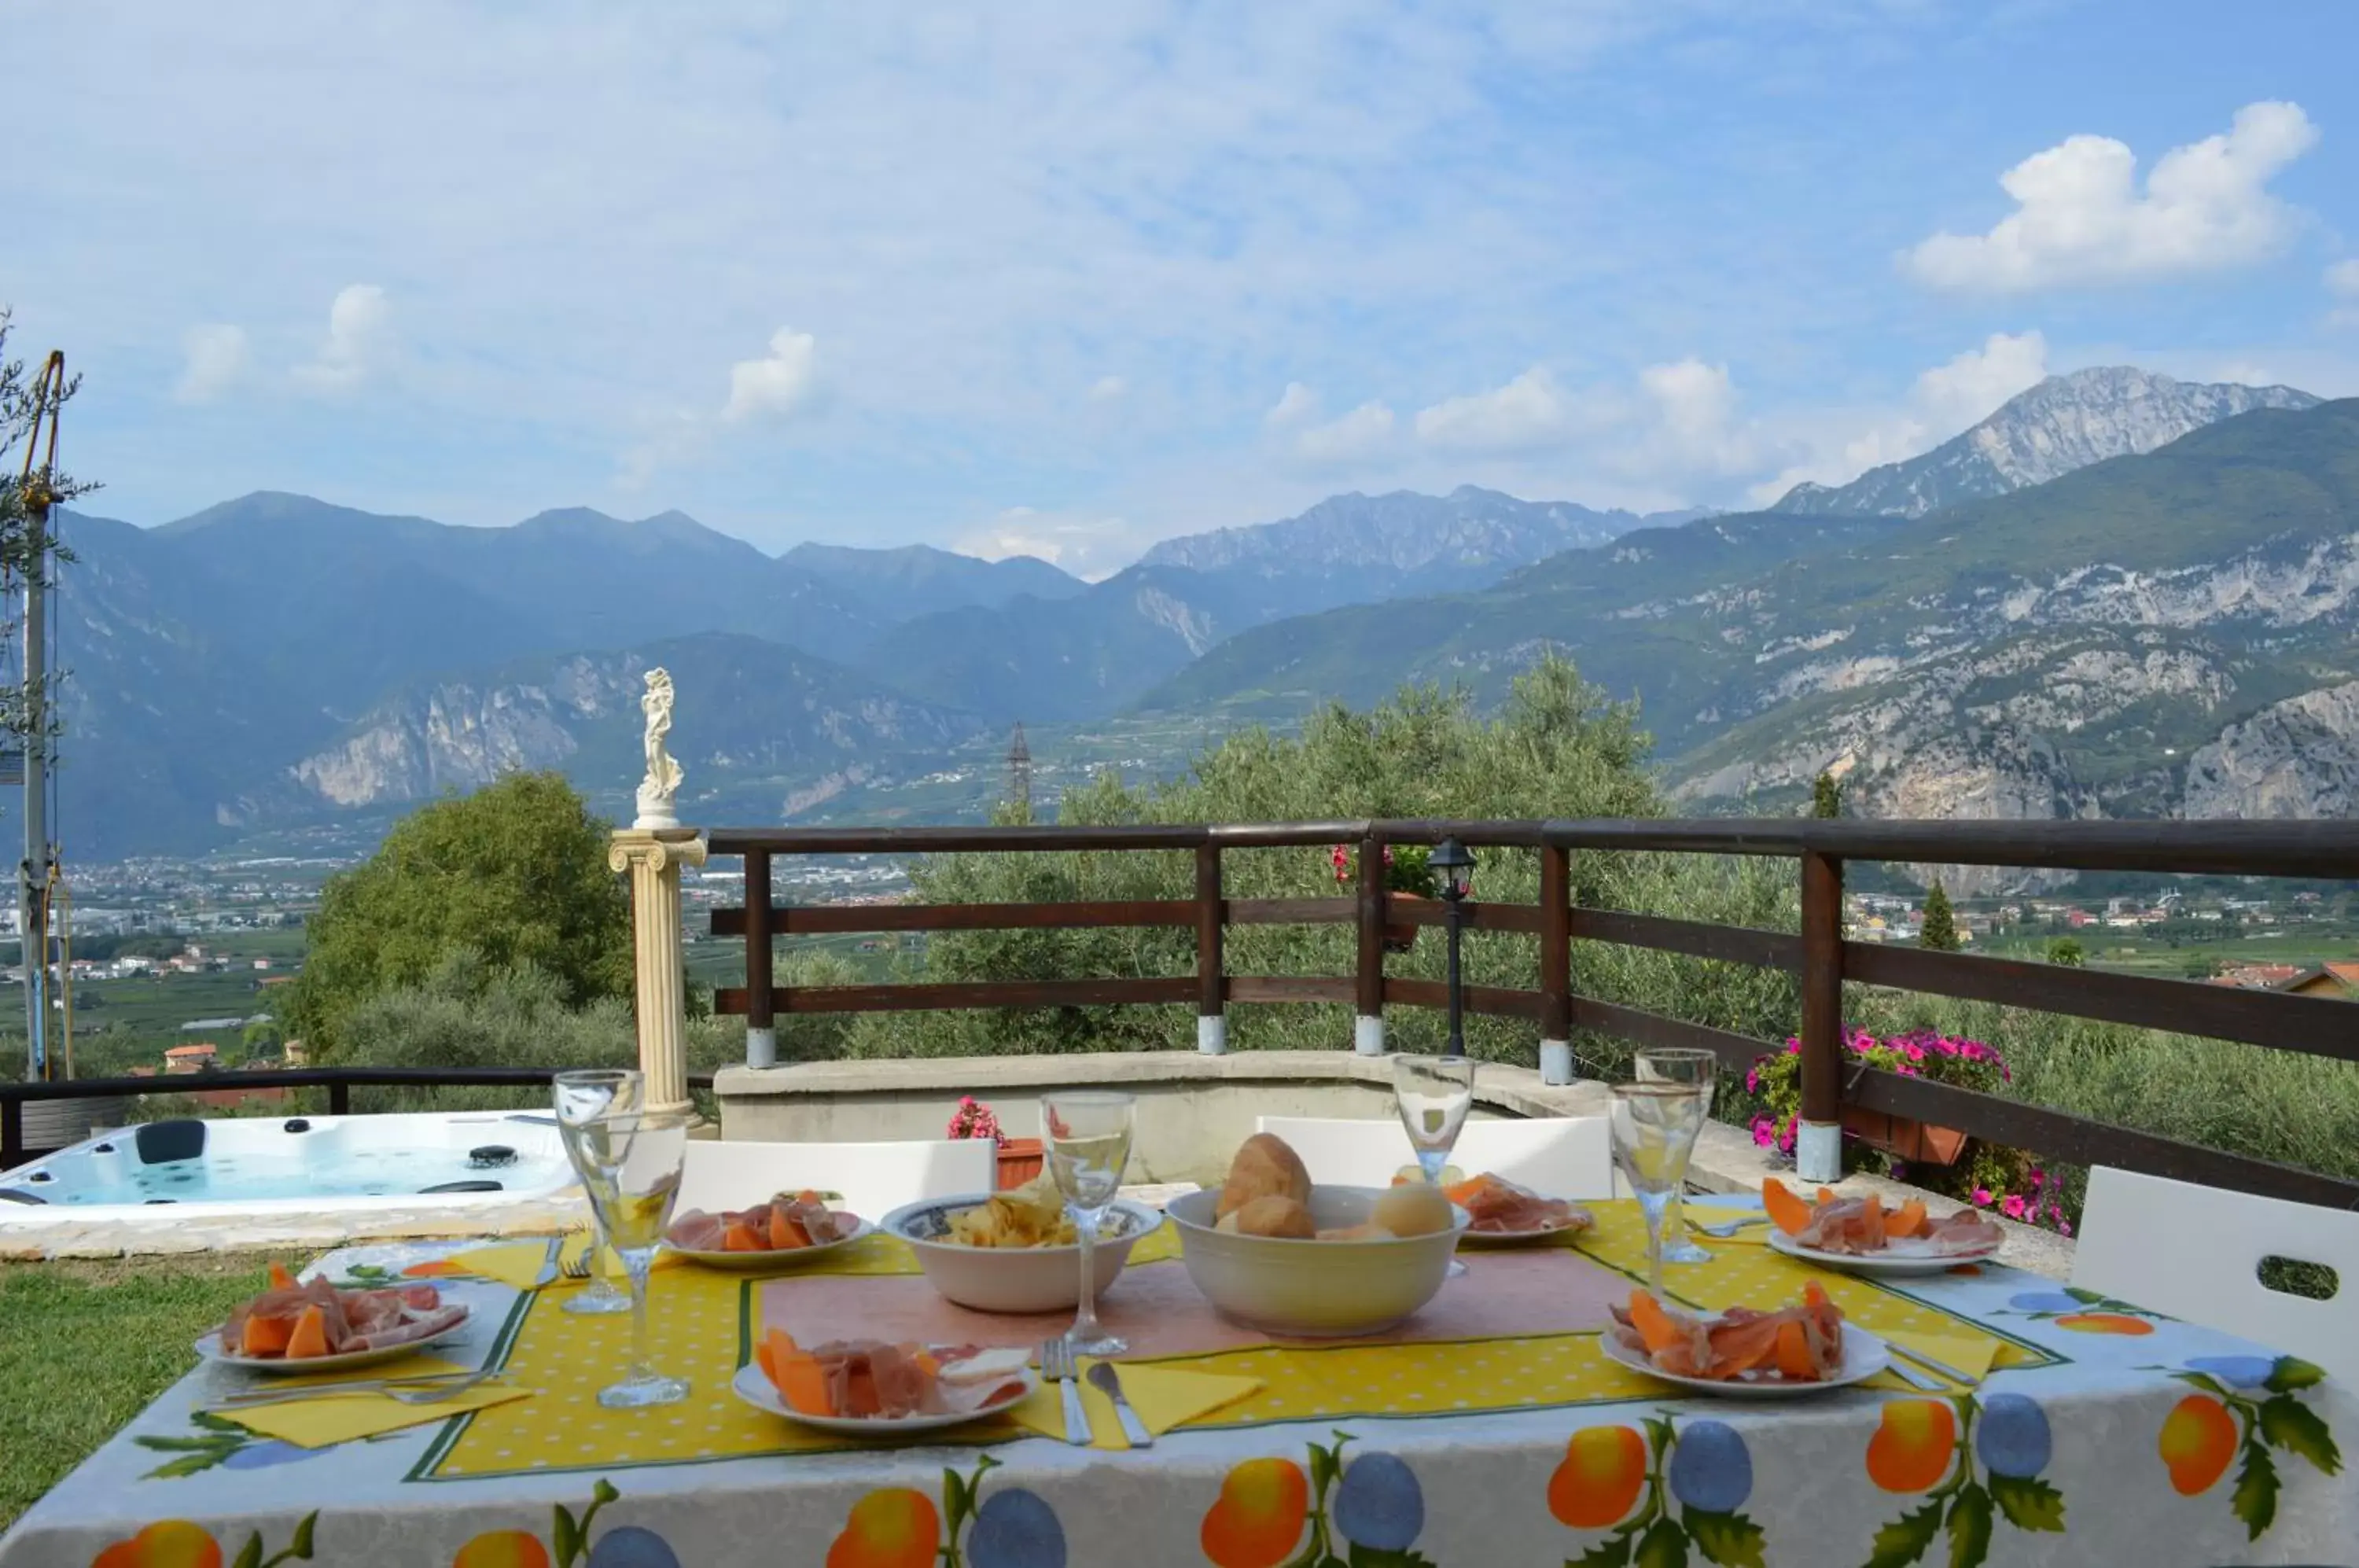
x=577 y=1267
x=1727 y=1228
x=398 y=1393
x=1057 y=1366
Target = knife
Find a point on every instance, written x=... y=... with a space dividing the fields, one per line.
x=1104 y=1378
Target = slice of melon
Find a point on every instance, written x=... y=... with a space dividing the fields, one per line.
x=1794 y=1353
x=1909 y=1219
x=1654 y=1327
x=1787 y=1212
x=787 y=1235
x=266 y=1336
x=279 y=1278
x=310 y=1337
x=736 y=1237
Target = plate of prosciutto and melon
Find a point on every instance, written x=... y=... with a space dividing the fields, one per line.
x=1745 y=1354
x=302 y=1328
x=1861 y=1236
x=1506 y=1214
x=790 y=1230
x=862 y=1387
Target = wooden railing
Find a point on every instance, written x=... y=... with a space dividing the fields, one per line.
x=340 y=1082
x=1820 y=956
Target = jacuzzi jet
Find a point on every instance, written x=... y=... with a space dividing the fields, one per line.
x=490 y=1157
x=163 y=1199
x=297 y=1125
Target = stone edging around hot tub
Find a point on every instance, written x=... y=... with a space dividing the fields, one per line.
x=1210 y=1102
x=63 y=1235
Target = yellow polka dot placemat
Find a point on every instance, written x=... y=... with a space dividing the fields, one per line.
x=1520 y=1333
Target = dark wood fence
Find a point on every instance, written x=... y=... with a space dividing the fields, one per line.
x=1820 y=955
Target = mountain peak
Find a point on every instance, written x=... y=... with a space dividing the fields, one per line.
x=2067 y=421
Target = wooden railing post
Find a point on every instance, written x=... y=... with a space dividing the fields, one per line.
x=761 y=1026
x=1556 y=965
x=1818 y=1147
x=1212 y=1020
x=1368 y=1024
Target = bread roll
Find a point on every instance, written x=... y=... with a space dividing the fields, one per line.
x=1415 y=1209
x=1279 y=1217
x=1264 y=1168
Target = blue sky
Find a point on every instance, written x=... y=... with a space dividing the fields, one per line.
x=1071 y=279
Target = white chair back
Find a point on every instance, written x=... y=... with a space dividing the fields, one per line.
x=874 y=1178
x=2133 y=1245
x=1561 y=1157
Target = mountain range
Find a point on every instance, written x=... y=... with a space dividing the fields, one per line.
x=2119 y=594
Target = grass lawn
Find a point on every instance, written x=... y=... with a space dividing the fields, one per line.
x=85 y=1346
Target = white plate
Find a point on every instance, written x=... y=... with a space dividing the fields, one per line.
x=1520 y=1238
x=210 y=1347
x=1863 y=1356
x=1892 y=1265
x=766 y=1262
x=753 y=1387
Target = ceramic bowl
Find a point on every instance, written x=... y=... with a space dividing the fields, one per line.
x=1314 y=1290
x=1013 y=1278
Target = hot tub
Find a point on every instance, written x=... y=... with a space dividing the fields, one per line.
x=309 y=1165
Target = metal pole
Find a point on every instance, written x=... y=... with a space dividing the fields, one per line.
x=33 y=874
x=1457 y=997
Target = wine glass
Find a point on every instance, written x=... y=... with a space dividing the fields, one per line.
x=1655 y=1129
x=1433 y=1095
x=580 y=1097
x=1087 y=1138
x=638 y=1156
x=1696 y=1069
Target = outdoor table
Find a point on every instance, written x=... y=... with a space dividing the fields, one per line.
x=1492 y=1431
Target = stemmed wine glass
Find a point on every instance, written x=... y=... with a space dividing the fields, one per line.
x=582 y=1097
x=1087 y=1138
x=1655 y=1129
x=638 y=1156
x=1433 y=1095
x=1696 y=1069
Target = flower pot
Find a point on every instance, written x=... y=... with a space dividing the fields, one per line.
x=1020 y=1160
x=1401 y=935
x=1905 y=1137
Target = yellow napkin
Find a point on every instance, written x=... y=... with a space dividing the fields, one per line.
x=519 y=1265
x=1972 y=1356
x=321 y=1423
x=419 y=1365
x=1164 y=1397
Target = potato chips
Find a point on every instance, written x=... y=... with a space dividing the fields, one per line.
x=1030 y=1216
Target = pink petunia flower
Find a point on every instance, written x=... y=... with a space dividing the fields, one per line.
x=2012 y=1207
x=1981 y=1197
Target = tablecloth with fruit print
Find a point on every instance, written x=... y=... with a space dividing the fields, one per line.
x=2120 y=1437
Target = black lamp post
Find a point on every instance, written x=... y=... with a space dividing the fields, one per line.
x=1453 y=869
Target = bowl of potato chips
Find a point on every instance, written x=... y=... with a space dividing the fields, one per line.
x=1015 y=1251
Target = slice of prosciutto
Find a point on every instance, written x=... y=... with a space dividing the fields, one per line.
x=1498 y=1206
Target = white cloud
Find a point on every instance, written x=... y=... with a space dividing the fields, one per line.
x=779 y=384
x=215 y=359
x=1091 y=548
x=2343 y=282
x=1109 y=390
x=1941 y=402
x=2079 y=218
x=1694 y=415
x=358 y=339
x=1361 y=438
x=1529 y=414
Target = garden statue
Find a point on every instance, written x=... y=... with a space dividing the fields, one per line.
x=662 y=783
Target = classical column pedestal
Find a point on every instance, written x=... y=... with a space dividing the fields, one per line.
x=652 y=857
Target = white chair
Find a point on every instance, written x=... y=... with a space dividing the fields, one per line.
x=874 y=1178
x=1562 y=1157
x=2195 y=1253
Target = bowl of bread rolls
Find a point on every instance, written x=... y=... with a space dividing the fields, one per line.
x=1275 y=1253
